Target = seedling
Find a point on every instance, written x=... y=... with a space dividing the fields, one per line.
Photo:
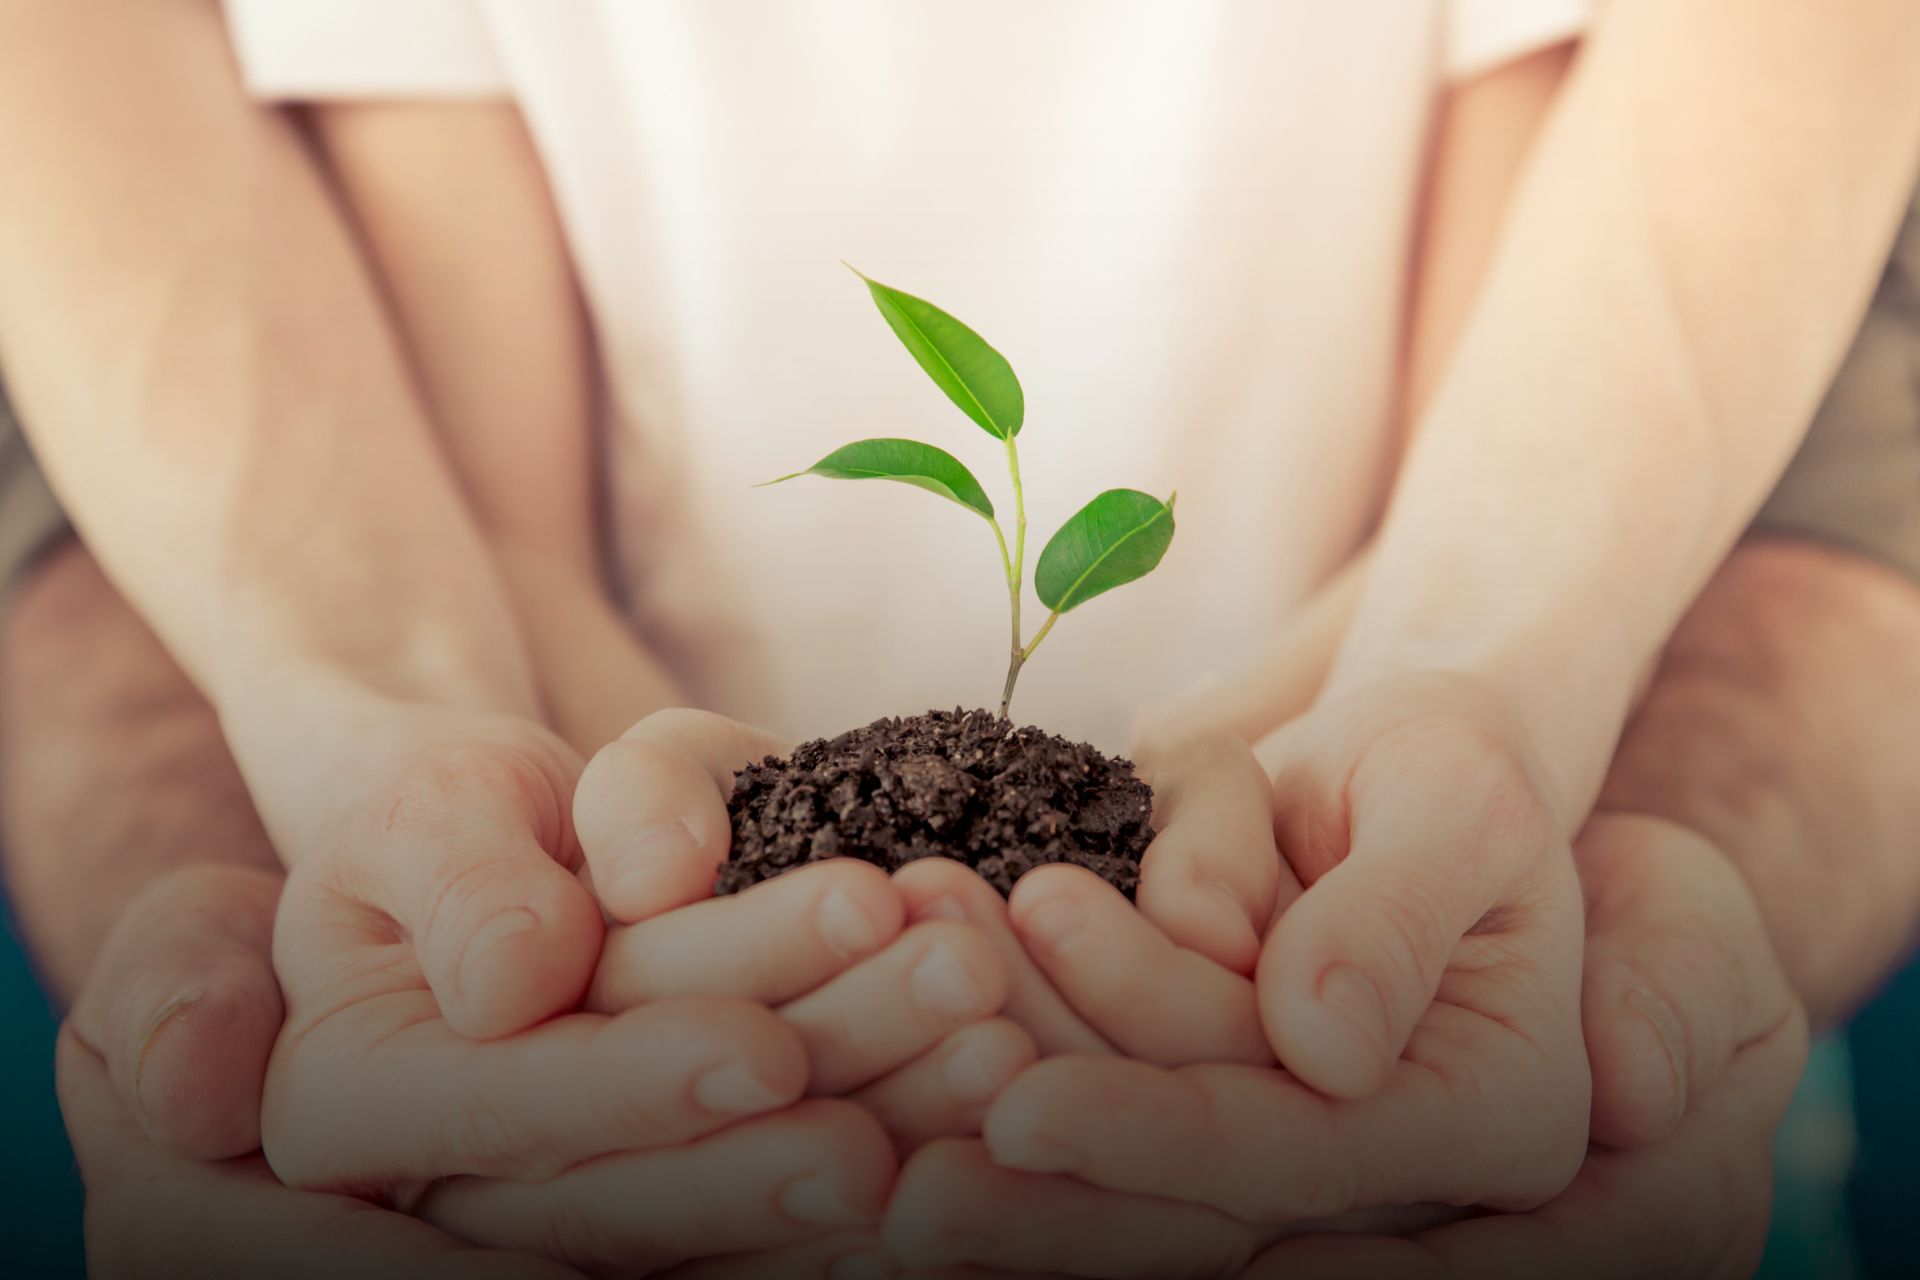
x=1118 y=537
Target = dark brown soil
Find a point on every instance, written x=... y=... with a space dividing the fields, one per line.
x=965 y=785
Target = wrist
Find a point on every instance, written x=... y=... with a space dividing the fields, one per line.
x=327 y=740
x=1565 y=723
x=1567 y=691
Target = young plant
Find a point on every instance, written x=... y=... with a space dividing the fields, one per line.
x=1118 y=537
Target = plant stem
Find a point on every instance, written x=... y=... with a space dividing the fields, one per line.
x=1039 y=635
x=1016 y=571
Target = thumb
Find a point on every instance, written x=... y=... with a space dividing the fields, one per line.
x=651 y=809
x=506 y=935
x=183 y=1007
x=1680 y=975
x=1351 y=967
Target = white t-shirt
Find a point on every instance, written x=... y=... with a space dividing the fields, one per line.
x=1186 y=225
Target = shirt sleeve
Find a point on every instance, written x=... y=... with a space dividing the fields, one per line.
x=1482 y=34
x=319 y=49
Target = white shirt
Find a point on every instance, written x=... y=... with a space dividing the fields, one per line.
x=1186 y=225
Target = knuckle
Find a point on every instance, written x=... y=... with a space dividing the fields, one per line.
x=499 y=1140
x=1410 y=941
x=465 y=897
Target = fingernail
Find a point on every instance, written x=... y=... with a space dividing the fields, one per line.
x=1666 y=1027
x=974 y=1072
x=844 y=927
x=1052 y=922
x=168 y=1012
x=942 y=986
x=815 y=1200
x=657 y=846
x=508 y=924
x=864 y=1265
x=734 y=1089
x=945 y=907
x=1349 y=993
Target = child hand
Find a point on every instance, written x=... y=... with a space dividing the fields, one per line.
x=1434 y=870
x=1168 y=982
x=897 y=1017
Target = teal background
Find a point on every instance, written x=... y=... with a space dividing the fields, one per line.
x=39 y=1188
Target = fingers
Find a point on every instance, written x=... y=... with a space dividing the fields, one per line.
x=1151 y=998
x=466 y=867
x=152 y=1213
x=183 y=1006
x=1212 y=878
x=945 y=1093
x=777 y=940
x=941 y=889
x=818 y=1166
x=651 y=809
x=1680 y=973
x=1694 y=1205
x=953 y=1206
x=1438 y=839
x=1260 y=1146
x=933 y=979
x=382 y=1093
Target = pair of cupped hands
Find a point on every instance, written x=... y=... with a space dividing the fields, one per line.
x=506 y=1030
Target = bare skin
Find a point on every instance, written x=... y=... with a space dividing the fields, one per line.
x=459 y=725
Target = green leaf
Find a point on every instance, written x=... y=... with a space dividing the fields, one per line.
x=973 y=374
x=1117 y=537
x=909 y=462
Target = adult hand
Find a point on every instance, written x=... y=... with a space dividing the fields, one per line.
x=443 y=905
x=1695 y=1042
x=160 y=1070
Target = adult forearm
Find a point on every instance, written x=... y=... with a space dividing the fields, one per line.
x=1687 y=256
x=112 y=767
x=207 y=374
x=1779 y=726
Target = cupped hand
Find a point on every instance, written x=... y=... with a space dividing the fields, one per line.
x=442 y=905
x=898 y=1017
x=1694 y=1039
x=1697 y=1043
x=1168 y=981
x=160 y=1071
x=1423 y=992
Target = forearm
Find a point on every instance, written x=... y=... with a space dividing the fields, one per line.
x=206 y=373
x=1780 y=726
x=504 y=357
x=1687 y=256
x=112 y=767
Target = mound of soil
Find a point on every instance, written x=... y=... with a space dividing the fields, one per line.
x=966 y=785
